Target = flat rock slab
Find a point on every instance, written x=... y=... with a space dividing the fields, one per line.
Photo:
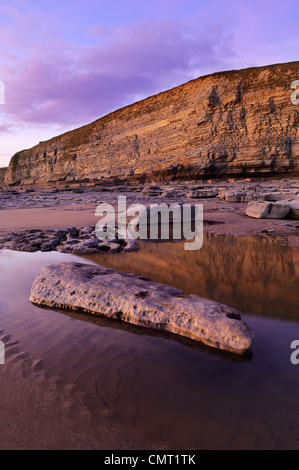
x=140 y=301
x=294 y=205
x=75 y=240
x=267 y=210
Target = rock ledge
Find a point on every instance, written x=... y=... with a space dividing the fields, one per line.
x=140 y=301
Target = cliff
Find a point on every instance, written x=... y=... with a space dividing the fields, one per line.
x=2 y=175
x=229 y=123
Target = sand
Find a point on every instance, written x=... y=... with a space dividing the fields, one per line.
x=220 y=217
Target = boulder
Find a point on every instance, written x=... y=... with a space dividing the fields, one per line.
x=222 y=192
x=267 y=210
x=249 y=196
x=259 y=196
x=234 y=196
x=202 y=193
x=138 y=300
x=173 y=193
x=79 y=241
x=152 y=191
x=294 y=208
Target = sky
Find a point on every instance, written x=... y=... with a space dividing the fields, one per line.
x=66 y=63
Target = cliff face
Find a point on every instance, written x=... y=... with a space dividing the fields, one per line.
x=237 y=122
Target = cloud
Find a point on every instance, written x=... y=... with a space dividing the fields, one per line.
x=67 y=63
x=5 y=128
x=54 y=81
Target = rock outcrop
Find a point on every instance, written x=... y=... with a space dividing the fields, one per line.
x=294 y=209
x=237 y=122
x=75 y=240
x=267 y=210
x=2 y=175
x=137 y=300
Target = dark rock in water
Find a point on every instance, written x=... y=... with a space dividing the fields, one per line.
x=140 y=301
x=74 y=232
x=75 y=240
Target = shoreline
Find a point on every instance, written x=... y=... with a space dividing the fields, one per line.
x=220 y=217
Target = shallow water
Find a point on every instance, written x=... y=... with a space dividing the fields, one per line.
x=80 y=382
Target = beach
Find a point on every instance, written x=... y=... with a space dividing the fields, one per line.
x=75 y=381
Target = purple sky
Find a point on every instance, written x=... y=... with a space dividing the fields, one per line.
x=66 y=63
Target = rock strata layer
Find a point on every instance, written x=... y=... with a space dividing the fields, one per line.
x=137 y=300
x=238 y=122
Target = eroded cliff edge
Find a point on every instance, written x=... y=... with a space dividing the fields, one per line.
x=229 y=123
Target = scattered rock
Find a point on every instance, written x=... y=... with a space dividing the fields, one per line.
x=75 y=240
x=267 y=210
x=234 y=196
x=237 y=196
x=249 y=196
x=137 y=300
x=130 y=245
x=172 y=193
x=278 y=196
x=294 y=209
x=222 y=192
x=202 y=193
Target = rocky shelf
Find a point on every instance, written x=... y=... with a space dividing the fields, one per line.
x=138 y=300
x=75 y=240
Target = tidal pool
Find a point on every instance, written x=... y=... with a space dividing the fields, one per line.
x=77 y=382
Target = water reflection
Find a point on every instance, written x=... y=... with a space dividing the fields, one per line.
x=254 y=274
x=104 y=322
x=71 y=383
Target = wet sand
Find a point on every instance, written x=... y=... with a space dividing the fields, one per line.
x=47 y=217
x=223 y=218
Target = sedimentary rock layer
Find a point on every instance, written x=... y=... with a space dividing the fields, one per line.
x=2 y=175
x=138 y=300
x=236 y=122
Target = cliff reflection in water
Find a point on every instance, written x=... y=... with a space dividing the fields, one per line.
x=254 y=274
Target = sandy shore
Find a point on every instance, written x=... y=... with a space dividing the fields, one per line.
x=47 y=217
x=221 y=217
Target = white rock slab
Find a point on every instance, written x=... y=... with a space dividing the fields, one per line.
x=267 y=210
x=294 y=206
x=140 y=301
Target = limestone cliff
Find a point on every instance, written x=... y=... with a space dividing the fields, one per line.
x=237 y=122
